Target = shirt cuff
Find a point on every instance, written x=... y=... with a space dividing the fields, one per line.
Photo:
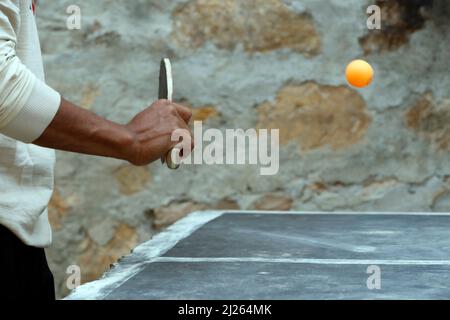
x=36 y=115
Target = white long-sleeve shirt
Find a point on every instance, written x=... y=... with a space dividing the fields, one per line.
x=27 y=106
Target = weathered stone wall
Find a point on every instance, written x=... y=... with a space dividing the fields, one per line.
x=251 y=64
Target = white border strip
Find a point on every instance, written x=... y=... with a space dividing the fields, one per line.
x=306 y=261
x=143 y=254
x=361 y=213
x=169 y=79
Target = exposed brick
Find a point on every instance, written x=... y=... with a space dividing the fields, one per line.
x=314 y=116
x=258 y=25
x=273 y=202
x=430 y=119
x=59 y=208
x=95 y=259
x=132 y=179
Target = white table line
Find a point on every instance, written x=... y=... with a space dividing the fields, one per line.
x=337 y=213
x=305 y=261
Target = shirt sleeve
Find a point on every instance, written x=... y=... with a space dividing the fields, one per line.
x=27 y=104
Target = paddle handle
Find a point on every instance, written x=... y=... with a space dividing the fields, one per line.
x=172 y=158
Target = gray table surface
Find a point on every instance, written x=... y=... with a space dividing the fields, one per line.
x=286 y=255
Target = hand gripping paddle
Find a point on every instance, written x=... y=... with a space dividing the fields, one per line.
x=166 y=92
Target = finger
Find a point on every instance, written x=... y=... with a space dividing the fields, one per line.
x=187 y=138
x=184 y=112
x=167 y=134
x=180 y=133
x=185 y=152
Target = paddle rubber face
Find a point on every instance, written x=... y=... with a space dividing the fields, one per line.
x=166 y=92
x=165 y=80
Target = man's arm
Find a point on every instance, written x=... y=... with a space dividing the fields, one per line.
x=146 y=138
x=31 y=111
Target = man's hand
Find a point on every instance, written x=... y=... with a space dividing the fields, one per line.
x=152 y=131
x=145 y=139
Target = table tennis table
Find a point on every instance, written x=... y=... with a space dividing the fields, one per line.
x=285 y=255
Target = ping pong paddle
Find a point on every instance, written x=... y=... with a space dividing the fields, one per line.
x=172 y=158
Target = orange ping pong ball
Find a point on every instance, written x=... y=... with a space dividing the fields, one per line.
x=359 y=73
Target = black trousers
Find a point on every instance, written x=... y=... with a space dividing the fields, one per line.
x=24 y=272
